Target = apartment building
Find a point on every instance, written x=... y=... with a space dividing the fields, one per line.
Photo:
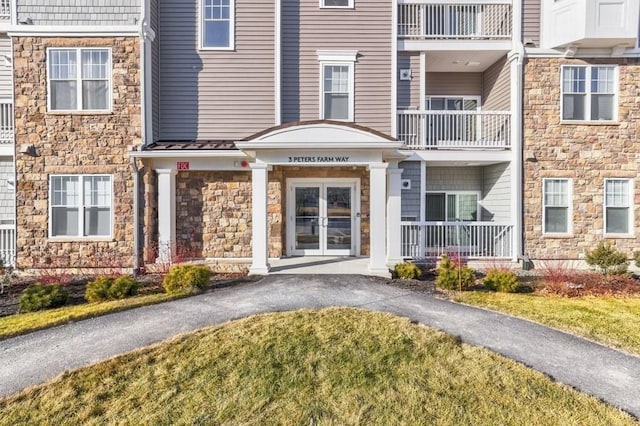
x=239 y=131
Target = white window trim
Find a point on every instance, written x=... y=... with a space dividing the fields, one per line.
x=338 y=58
x=587 y=106
x=476 y=98
x=447 y=193
x=79 y=80
x=569 y=208
x=232 y=27
x=630 y=215
x=80 y=207
x=348 y=6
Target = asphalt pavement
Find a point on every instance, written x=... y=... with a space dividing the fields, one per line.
x=37 y=357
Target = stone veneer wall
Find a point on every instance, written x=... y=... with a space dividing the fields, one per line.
x=74 y=143
x=213 y=210
x=586 y=153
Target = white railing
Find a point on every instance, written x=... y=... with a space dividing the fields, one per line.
x=455 y=129
x=433 y=19
x=472 y=240
x=6 y=122
x=5 y=9
x=8 y=245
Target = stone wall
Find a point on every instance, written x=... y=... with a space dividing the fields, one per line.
x=588 y=153
x=74 y=143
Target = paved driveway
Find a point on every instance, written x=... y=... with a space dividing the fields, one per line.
x=40 y=356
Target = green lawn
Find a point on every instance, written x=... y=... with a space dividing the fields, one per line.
x=14 y=325
x=333 y=366
x=610 y=320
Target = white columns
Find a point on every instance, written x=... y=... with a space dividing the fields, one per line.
x=394 y=212
x=377 y=218
x=166 y=214
x=259 y=219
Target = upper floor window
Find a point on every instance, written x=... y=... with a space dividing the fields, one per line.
x=556 y=211
x=336 y=3
x=589 y=92
x=217 y=26
x=337 y=84
x=617 y=206
x=80 y=206
x=79 y=79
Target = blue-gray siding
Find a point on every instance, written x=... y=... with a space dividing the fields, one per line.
x=79 y=12
x=410 y=205
x=409 y=90
x=497 y=193
x=155 y=69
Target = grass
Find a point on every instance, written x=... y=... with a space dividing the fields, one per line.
x=333 y=366
x=614 y=321
x=14 y=325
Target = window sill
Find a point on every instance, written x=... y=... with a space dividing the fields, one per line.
x=557 y=236
x=81 y=112
x=590 y=122
x=620 y=236
x=217 y=49
x=79 y=239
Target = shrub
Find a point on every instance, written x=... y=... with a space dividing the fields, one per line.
x=502 y=280
x=186 y=278
x=107 y=288
x=450 y=275
x=407 y=271
x=607 y=259
x=593 y=284
x=37 y=297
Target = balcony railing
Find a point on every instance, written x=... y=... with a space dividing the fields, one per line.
x=5 y=10
x=455 y=129
x=6 y=122
x=473 y=240
x=456 y=20
x=8 y=245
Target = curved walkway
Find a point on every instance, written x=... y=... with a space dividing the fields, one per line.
x=40 y=356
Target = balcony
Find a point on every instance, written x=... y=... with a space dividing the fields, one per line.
x=455 y=129
x=472 y=240
x=460 y=20
x=6 y=122
x=5 y=10
x=7 y=245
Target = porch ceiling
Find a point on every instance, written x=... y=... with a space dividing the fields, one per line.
x=461 y=60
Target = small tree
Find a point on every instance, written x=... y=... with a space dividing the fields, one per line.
x=451 y=274
x=607 y=259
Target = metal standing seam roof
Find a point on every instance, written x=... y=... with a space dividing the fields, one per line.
x=192 y=146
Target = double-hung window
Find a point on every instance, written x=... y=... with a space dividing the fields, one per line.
x=217 y=24
x=589 y=92
x=79 y=79
x=337 y=84
x=556 y=213
x=336 y=3
x=81 y=206
x=617 y=206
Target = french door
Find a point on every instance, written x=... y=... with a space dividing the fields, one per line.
x=322 y=218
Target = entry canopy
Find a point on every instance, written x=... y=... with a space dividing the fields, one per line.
x=319 y=134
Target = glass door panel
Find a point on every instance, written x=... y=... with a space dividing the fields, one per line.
x=339 y=218
x=307 y=218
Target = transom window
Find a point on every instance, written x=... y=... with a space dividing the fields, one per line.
x=617 y=206
x=217 y=26
x=336 y=3
x=79 y=79
x=589 y=92
x=81 y=206
x=556 y=206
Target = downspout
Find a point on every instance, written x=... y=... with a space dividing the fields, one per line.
x=517 y=54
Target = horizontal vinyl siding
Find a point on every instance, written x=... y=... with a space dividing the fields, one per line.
x=410 y=198
x=454 y=179
x=454 y=83
x=409 y=90
x=155 y=70
x=531 y=21
x=6 y=69
x=208 y=94
x=76 y=12
x=366 y=28
x=496 y=203
x=496 y=85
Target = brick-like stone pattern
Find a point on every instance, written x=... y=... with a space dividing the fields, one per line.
x=585 y=153
x=149 y=212
x=213 y=211
x=75 y=143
